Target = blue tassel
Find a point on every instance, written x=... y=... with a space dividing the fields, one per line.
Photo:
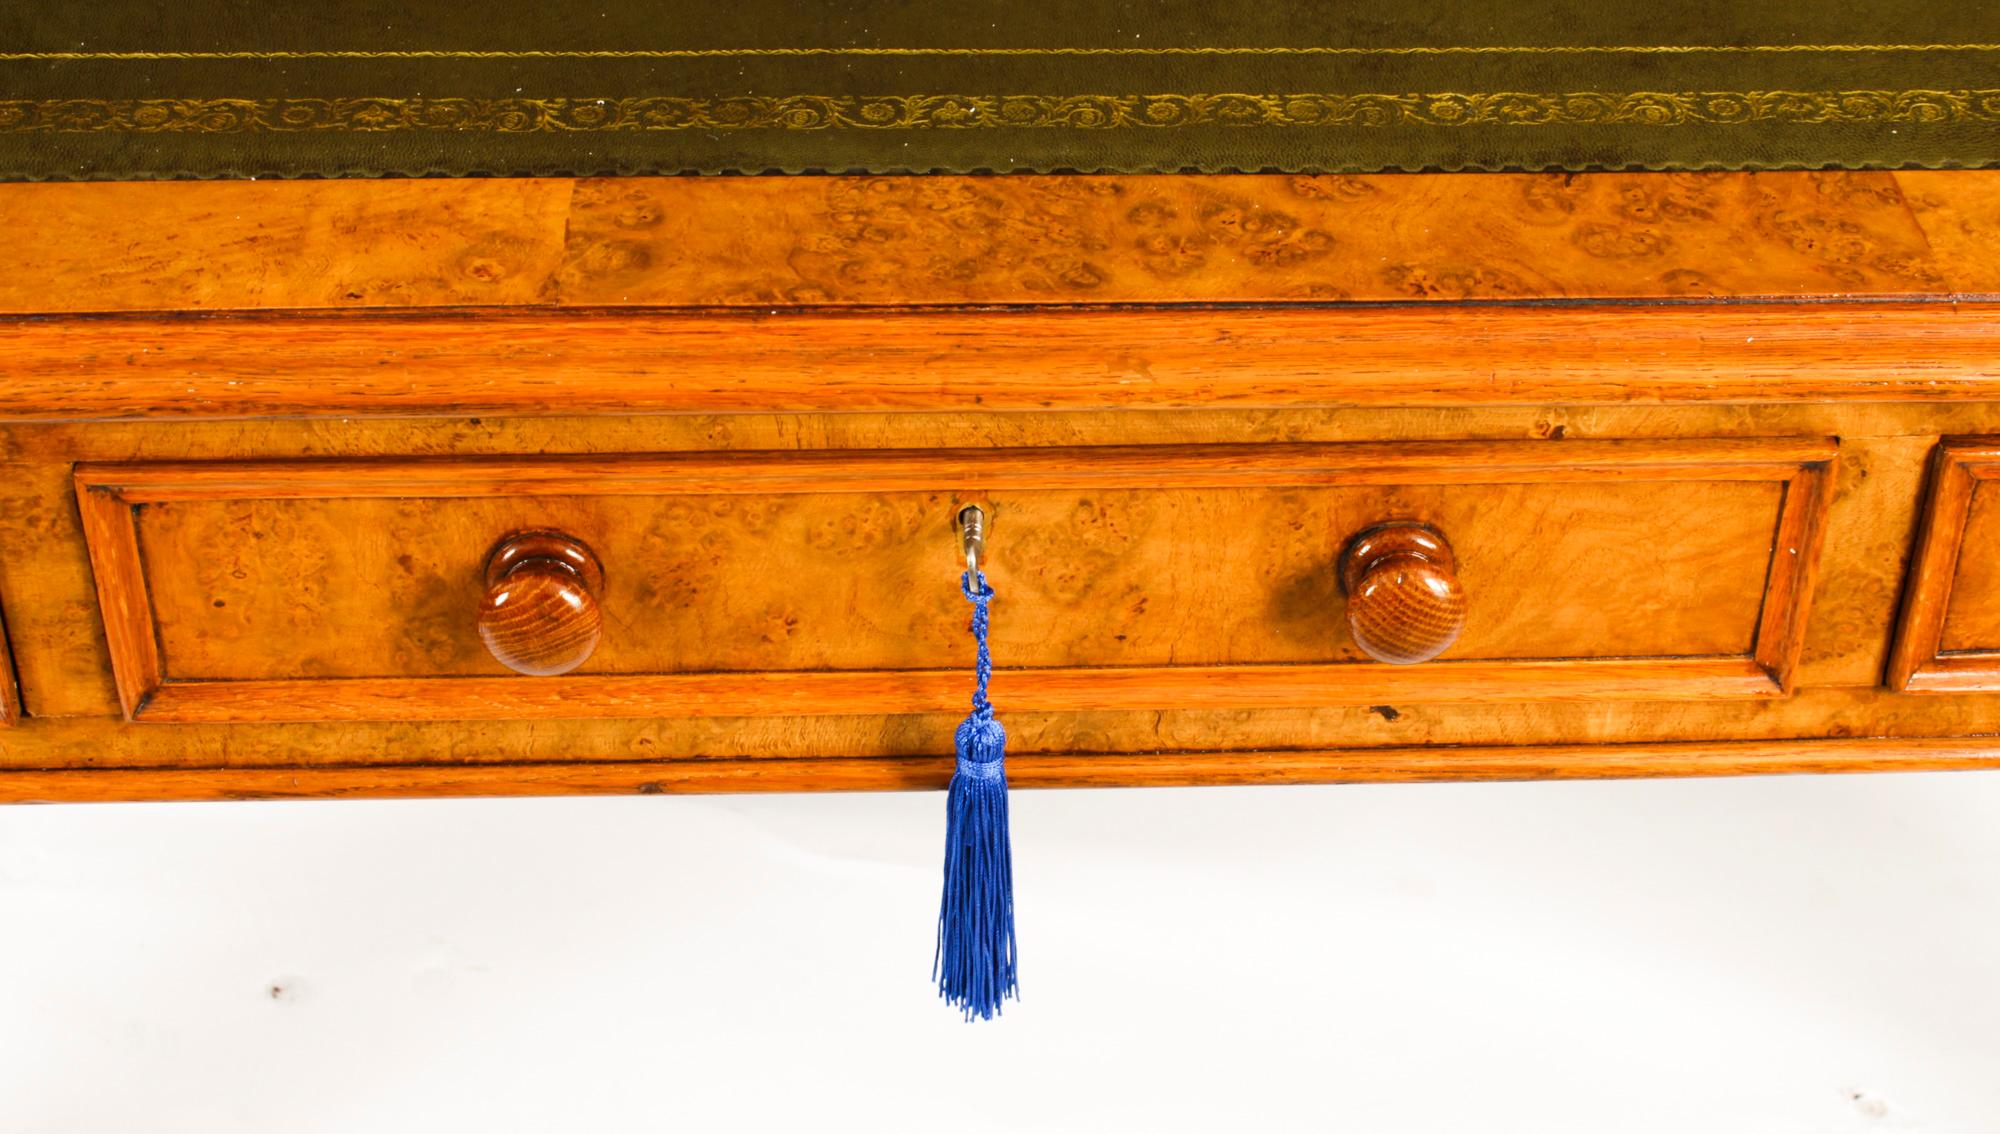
x=974 y=964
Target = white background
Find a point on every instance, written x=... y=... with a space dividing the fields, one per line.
x=1767 y=955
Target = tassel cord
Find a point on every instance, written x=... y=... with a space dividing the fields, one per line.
x=980 y=595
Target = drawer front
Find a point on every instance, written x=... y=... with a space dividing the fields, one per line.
x=826 y=582
x=1948 y=637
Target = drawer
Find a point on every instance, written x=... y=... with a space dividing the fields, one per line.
x=1948 y=636
x=744 y=584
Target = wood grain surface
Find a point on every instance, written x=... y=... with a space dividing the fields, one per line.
x=1069 y=770
x=472 y=364
x=107 y=742
x=1135 y=577
x=816 y=241
x=305 y=244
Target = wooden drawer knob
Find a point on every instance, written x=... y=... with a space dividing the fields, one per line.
x=540 y=615
x=1404 y=601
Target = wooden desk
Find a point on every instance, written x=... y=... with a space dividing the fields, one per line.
x=1710 y=455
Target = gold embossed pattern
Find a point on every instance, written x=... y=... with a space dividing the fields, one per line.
x=956 y=111
x=1669 y=49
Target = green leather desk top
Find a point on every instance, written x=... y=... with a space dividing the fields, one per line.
x=131 y=89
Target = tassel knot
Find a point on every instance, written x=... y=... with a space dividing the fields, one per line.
x=982 y=747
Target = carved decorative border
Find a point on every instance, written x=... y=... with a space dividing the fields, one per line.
x=960 y=111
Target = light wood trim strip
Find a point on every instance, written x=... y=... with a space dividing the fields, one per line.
x=1795 y=558
x=460 y=362
x=922 y=470
x=1330 y=766
x=1915 y=662
x=10 y=689
x=1957 y=673
x=110 y=527
x=926 y=691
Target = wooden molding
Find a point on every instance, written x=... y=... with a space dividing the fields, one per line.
x=1075 y=689
x=110 y=497
x=1918 y=663
x=112 y=534
x=1167 y=769
x=10 y=690
x=482 y=362
x=1795 y=555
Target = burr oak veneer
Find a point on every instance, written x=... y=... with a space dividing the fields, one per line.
x=1200 y=576
x=649 y=485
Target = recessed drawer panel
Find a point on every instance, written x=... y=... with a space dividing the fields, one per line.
x=826 y=582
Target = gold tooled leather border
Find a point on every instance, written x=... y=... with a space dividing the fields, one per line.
x=1012 y=52
x=958 y=111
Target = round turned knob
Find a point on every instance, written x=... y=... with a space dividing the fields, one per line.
x=1404 y=601
x=540 y=615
